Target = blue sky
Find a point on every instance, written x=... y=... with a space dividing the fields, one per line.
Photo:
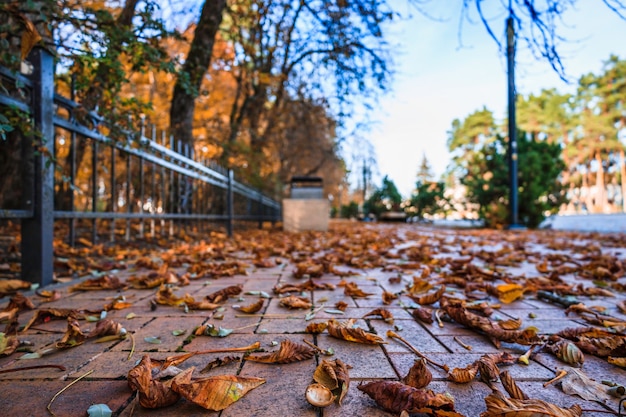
x=439 y=79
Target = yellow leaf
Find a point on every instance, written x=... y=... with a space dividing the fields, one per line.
x=30 y=37
x=507 y=293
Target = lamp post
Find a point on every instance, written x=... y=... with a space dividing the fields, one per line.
x=512 y=152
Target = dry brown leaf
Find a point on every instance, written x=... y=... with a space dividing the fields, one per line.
x=9 y=286
x=388 y=297
x=396 y=397
x=418 y=376
x=382 y=312
x=333 y=375
x=218 y=392
x=617 y=361
x=308 y=268
x=500 y=406
x=218 y=362
x=105 y=282
x=165 y=296
x=341 y=305
x=423 y=314
x=353 y=290
x=430 y=298
x=510 y=324
x=49 y=296
x=252 y=308
x=46 y=314
x=294 y=302
x=316 y=328
x=152 y=393
x=105 y=327
x=73 y=335
x=352 y=334
x=8 y=344
x=463 y=375
x=511 y=387
x=19 y=302
x=117 y=305
x=576 y=382
x=288 y=352
x=223 y=294
x=622 y=306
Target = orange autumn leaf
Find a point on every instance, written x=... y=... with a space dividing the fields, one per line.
x=223 y=294
x=165 y=296
x=316 y=328
x=294 y=302
x=218 y=392
x=153 y=393
x=9 y=286
x=507 y=293
x=419 y=375
x=353 y=334
x=103 y=283
x=252 y=308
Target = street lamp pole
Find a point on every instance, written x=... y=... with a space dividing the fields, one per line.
x=510 y=55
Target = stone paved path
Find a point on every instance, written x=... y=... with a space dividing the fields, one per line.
x=26 y=393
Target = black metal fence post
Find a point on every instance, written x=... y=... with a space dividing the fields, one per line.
x=230 y=204
x=37 y=231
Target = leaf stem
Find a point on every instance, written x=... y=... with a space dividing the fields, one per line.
x=60 y=392
x=558 y=376
x=26 y=368
x=392 y=334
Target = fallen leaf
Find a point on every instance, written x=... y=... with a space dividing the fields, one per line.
x=295 y=302
x=507 y=293
x=223 y=294
x=617 y=361
x=353 y=290
x=499 y=406
x=216 y=363
x=352 y=334
x=430 y=298
x=8 y=344
x=106 y=327
x=218 y=392
x=287 y=353
x=423 y=314
x=418 y=376
x=105 y=282
x=151 y=393
x=316 y=328
x=333 y=375
x=9 y=286
x=396 y=397
x=252 y=308
x=511 y=387
x=576 y=382
x=73 y=335
x=386 y=315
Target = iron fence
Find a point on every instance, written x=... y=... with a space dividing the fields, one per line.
x=127 y=187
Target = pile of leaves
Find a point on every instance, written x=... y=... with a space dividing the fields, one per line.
x=440 y=278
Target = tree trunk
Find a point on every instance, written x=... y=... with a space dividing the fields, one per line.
x=196 y=65
x=600 y=188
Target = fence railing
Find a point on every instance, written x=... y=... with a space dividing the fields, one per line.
x=110 y=189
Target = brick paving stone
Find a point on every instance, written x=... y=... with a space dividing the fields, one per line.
x=367 y=361
x=412 y=332
x=161 y=328
x=32 y=399
x=281 y=395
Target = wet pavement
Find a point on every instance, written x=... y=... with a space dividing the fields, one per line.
x=378 y=259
